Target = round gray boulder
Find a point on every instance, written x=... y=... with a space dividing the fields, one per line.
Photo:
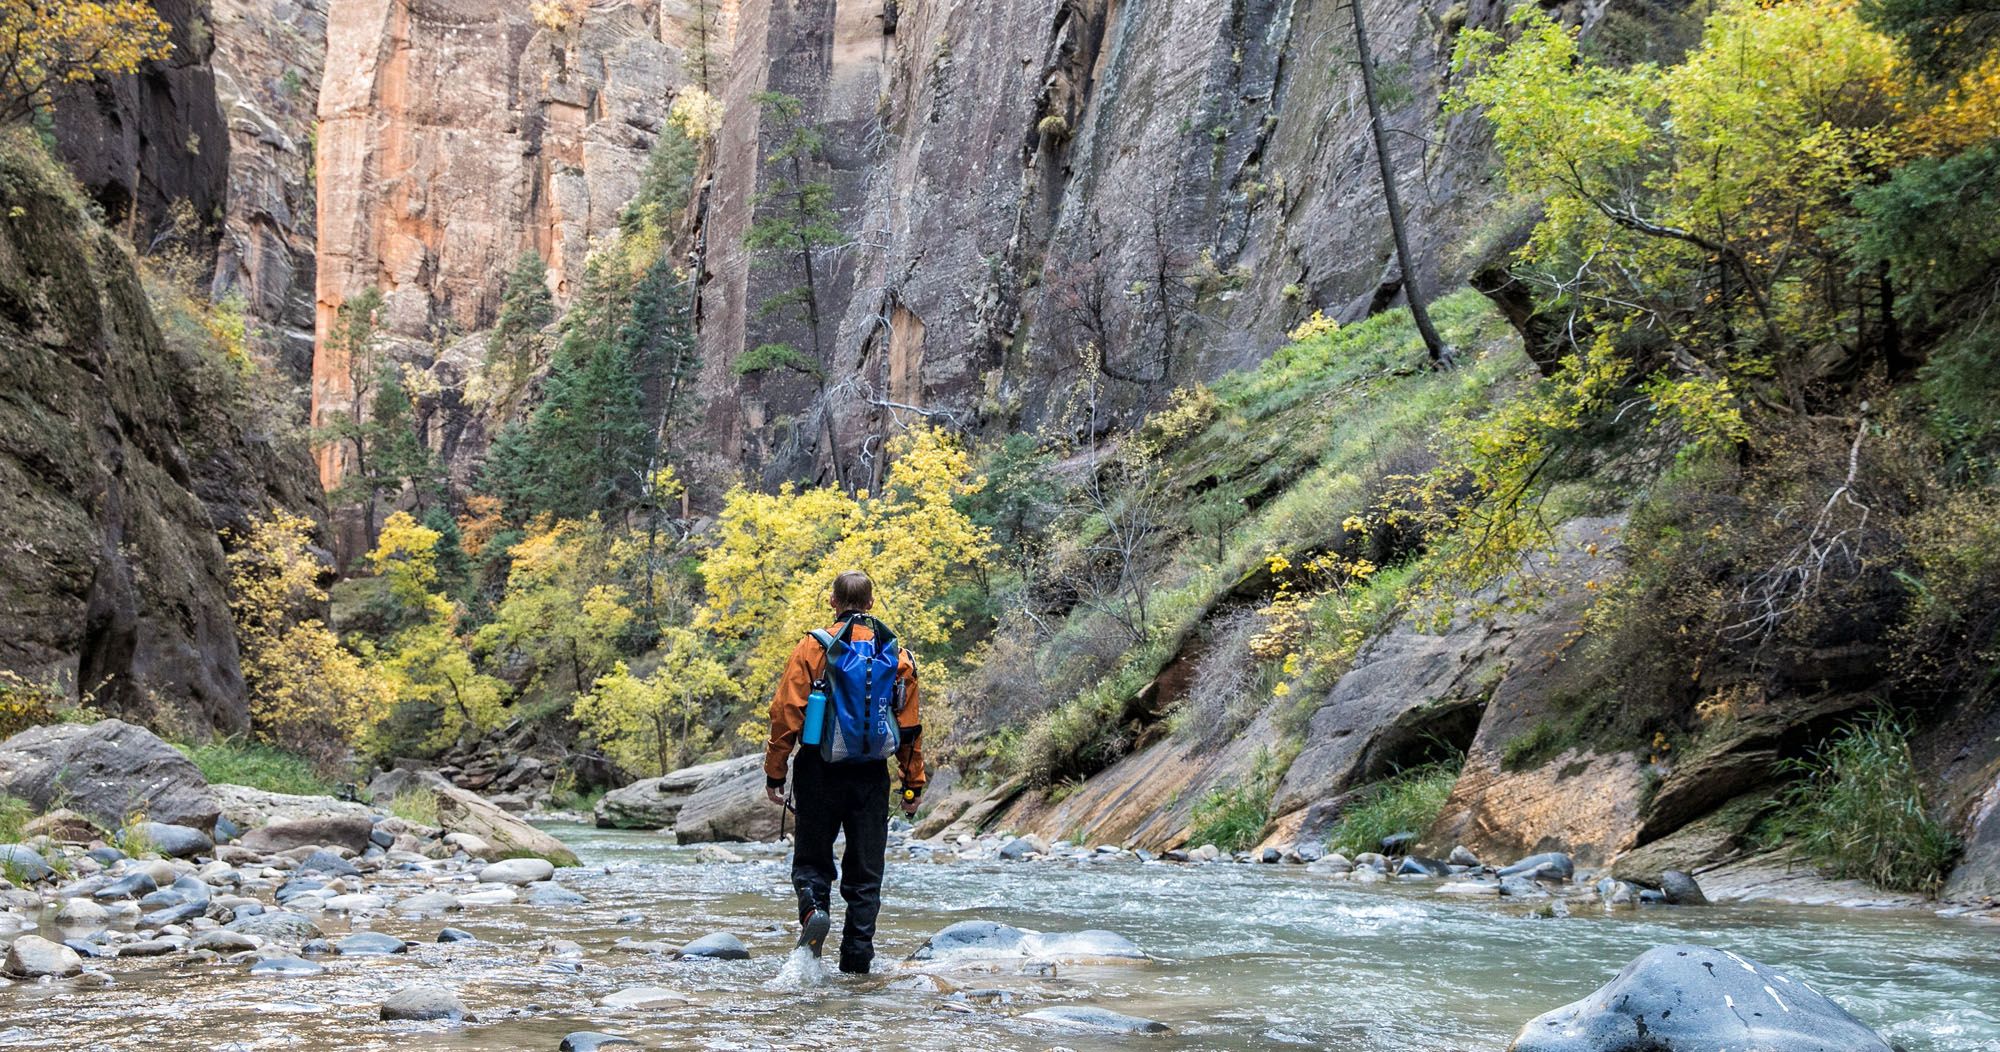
x=424 y=1002
x=32 y=957
x=1699 y=999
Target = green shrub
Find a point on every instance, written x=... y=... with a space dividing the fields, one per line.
x=14 y=814
x=417 y=805
x=233 y=761
x=1233 y=818
x=1859 y=812
x=1544 y=741
x=1407 y=803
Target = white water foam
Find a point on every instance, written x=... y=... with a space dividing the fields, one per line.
x=801 y=971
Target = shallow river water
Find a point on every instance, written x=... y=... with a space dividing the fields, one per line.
x=1247 y=957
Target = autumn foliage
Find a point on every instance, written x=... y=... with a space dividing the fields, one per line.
x=47 y=43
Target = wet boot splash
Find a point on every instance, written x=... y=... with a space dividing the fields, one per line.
x=812 y=931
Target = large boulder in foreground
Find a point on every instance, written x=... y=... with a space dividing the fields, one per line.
x=730 y=806
x=109 y=771
x=1699 y=999
x=460 y=811
x=655 y=803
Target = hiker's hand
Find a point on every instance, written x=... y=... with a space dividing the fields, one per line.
x=776 y=794
x=910 y=803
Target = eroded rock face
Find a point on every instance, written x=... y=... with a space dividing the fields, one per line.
x=269 y=58
x=1688 y=998
x=655 y=803
x=729 y=806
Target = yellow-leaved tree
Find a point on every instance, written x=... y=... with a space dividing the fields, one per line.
x=427 y=663
x=775 y=558
x=46 y=43
x=658 y=723
x=565 y=606
x=307 y=692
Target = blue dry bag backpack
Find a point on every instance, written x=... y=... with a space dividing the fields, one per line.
x=863 y=693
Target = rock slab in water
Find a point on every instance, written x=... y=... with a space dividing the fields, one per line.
x=1699 y=999
x=720 y=946
x=655 y=803
x=32 y=957
x=972 y=939
x=423 y=1003
x=286 y=966
x=108 y=770
x=591 y=1041
x=730 y=806
x=291 y=929
x=1084 y=1017
x=370 y=944
x=1550 y=866
x=460 y=811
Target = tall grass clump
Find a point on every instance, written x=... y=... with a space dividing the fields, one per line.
x=1859 y=812
x=1233 y=817
x=415 y=804
x=232 y=761
x=1406 y=803
x=14 y=815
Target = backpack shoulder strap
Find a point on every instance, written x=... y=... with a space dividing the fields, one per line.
x=824 y=637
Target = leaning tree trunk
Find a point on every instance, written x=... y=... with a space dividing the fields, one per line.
x=1441 y=355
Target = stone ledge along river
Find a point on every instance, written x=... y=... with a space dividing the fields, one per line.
x=1241 y=957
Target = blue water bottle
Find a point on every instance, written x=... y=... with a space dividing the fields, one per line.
x=815 y=717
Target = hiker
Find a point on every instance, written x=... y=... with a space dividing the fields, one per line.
x=860 y=689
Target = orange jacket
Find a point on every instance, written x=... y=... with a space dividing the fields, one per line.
x=788 y=710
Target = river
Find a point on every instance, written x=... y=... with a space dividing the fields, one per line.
x=1247 y=957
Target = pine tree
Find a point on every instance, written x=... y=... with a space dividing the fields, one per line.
x=708 y=49
x=515 y=348
x=796 y=223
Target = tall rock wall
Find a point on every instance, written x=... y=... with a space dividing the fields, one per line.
x=269 y=58
x=1175 y=184
x=457 y=134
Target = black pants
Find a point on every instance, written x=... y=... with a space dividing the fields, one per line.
x=832 y=798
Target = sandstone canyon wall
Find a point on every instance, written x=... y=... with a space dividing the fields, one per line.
x=453 y=137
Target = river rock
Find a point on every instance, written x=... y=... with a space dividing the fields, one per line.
x=1460 y=856
x=972 y=939
x=147 y=948
x=1101 y=1020
x=1553 y=866
x=288 y=966
x=370 y=944
x=655 y=803
x=358 y=902
x=448 y=935
x=224 y=941
x=517 y=871
x=1021 y=847
x=25 y=862
x=730 y=806
x=429 y=902
x=1680 y=889
x=82 y=913
x=348 y=831
x=550 y=893
x=1699 y=999
x=254 y=809
x=591 y=1041
x=282 y=926
x=106 y=770
x=720 y=946
x=424 y=1002
x=32 y=957
x=326 y=863
x=716 y=855
x=460 y=811
x=169 y=839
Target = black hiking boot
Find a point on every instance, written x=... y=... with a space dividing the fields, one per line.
x=813 y=929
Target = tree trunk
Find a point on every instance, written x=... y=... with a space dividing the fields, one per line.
x=1441 y=355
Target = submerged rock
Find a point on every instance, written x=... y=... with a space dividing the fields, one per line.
x=282 y=926
x=1102 y=1020
x=370 y=944
x=518 y=871
x=972 y=939
x=591 y=1041
x=1551 y=866
x=424 y=1002
x=1699 y=999
x=720 y=946
x=287 y=966
x=639 y=997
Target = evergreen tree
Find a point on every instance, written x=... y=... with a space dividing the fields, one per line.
x=708 y=49
x=515 y=348
x=796 y=223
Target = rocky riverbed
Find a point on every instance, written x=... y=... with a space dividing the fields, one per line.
x=988 y=943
